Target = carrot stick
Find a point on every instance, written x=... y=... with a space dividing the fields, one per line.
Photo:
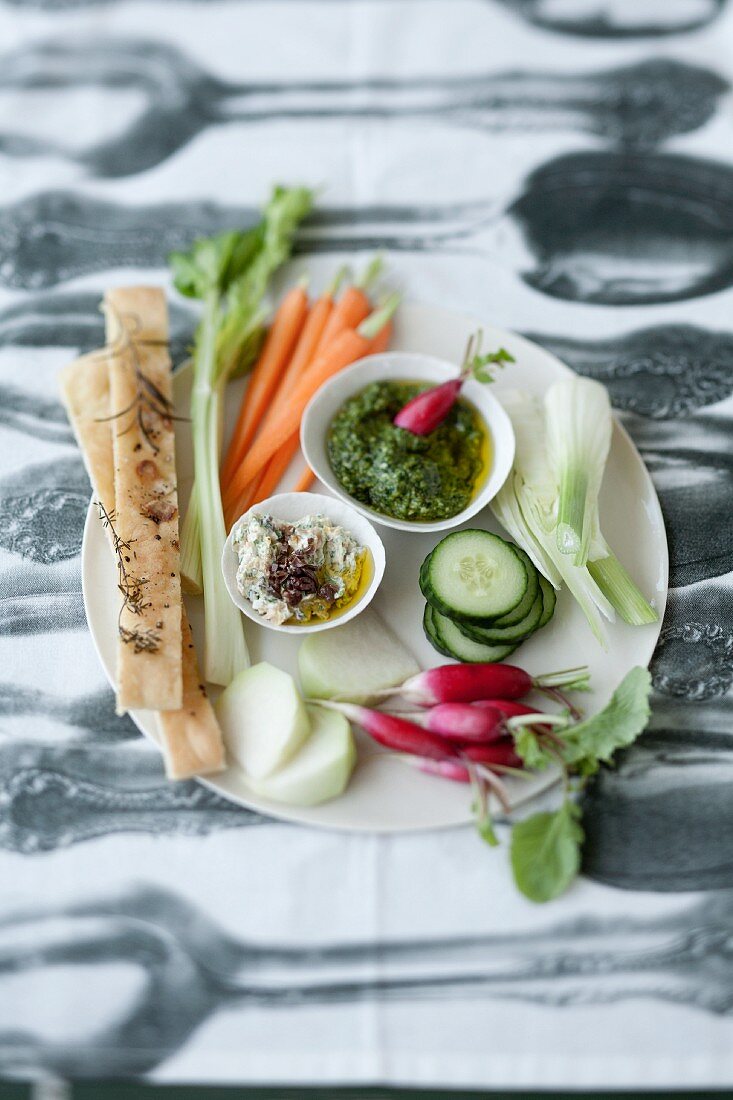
x=353 y=306
x=351 y=345
x=305 y=349
x=275 y=469
x=305 y=481
x=382 y=340
x=276 y=353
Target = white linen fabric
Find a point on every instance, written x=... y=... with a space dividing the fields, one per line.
x=565 y=169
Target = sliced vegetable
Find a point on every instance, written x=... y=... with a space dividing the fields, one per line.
x=455 y=643
x=473 y=575
x=620 y=590
x=526 y=603
x=549 y=601
x=354 y=661
x=490 y=634
x=263 y=719
x=321 y=768
x=578 y=423
x=528 y=507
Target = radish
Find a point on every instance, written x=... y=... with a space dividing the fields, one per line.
x=501 y=752
x=463 y=722
x=395 y=733
x=468 y=683
x=445 y=769
x=427 y=411
x=509 y=708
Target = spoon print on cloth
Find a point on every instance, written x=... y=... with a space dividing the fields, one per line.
x=644 y=103
x=584 y=18
x=73 y=319
x=56 y=795
x=604 y=228
x=191 y=969
x=663 y=371
x=662 y=817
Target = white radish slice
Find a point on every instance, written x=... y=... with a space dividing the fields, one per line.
x=354 y=661
x=321 y=768
x=263 y=719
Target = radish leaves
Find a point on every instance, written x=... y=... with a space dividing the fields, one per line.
x=545 y=852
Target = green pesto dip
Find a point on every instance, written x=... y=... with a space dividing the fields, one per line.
x=407 y=476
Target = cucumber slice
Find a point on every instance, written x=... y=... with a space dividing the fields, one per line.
x=473 y=575
x=549 y=599
x=506 y=635
x=525 y=605
x=455 y=644
x=431 y=633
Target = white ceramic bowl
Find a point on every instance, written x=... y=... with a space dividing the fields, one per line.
x=410 y=366
x=289 y=507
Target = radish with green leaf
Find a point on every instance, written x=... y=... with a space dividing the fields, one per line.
x=427 y=411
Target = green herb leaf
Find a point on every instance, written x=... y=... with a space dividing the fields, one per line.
x=595 y=740
x=479 y=363
x=212 y=263
x=545 y=852
x=531 y=750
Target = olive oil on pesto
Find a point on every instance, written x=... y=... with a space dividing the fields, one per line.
x=406 y=476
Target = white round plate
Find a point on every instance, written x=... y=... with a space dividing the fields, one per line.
x=385 y=795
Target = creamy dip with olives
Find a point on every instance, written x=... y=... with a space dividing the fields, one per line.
x=297 y=571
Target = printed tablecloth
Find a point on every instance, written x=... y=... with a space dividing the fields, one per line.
x=565 y=169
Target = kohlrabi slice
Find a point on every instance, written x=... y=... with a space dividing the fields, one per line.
x=354 y=661
x=320 y=769
x=263 y=719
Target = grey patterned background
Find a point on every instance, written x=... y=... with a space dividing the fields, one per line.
x=565 y=169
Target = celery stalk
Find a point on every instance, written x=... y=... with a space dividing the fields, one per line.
x=619 y=589
x=226 y=650
x=191 y=575
x=229 y=273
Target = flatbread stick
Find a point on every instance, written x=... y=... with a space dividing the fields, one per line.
x=85 y=393
x=149 y=664
x=190 y=737
x=191 y=740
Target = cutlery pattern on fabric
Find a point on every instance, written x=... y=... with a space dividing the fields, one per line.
x=694 y=655
x=663 y=371
x=53 y=796
x=662 y=818
x=595 y=19
x=691 y=463
x=644 y=103
x=73 y=320
x=42 y=510
x=605 y=228
x=191 y=969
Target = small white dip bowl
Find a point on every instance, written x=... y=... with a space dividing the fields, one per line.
x=287 y=508
x=405 y=366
